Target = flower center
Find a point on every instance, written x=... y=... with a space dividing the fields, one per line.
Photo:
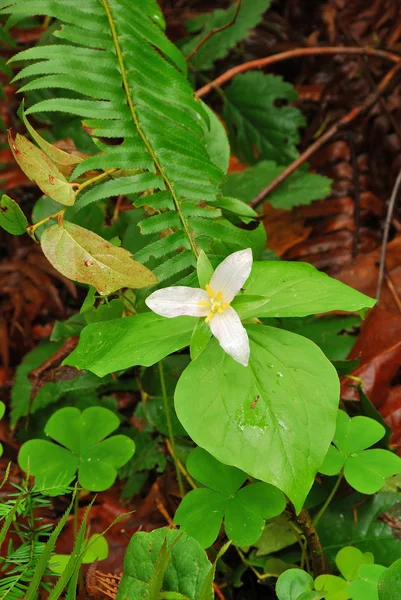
x=215 y=303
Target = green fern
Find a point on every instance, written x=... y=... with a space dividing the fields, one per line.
x=135 y=90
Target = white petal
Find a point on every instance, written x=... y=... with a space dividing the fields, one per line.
x=230 y=332
x=177 y=301
x=231 y=274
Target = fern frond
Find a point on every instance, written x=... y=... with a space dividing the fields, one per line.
x=128 y=81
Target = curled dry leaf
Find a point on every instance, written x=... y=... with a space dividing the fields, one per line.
x=63 y=160
x=40 y=169
x=83 y=256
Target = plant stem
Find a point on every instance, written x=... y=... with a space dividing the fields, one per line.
x=328 y=500
x=85 y=184
x=304 y=522
x=32 y=228
x=290 y=54
x=170 y=428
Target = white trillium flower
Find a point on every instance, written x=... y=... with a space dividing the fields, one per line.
x=212 y=303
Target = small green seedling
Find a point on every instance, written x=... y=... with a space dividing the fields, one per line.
x=365 y=470
x=96 y=549
x=244 y=510
x=83 y=448
x=166 y=564
x=359 y=580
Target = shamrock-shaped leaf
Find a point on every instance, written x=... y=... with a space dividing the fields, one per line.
x=83 y=448
x=295 y=584
x=97 y=549
x=333 y=588
x=349 y=560
x=244 y=510
x=365 y=470
x=366 y=586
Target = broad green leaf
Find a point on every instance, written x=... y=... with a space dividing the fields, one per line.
x=294 y=415
x=349 y=560
x=185 y=572
x=217 y=141
x=139 y=340
x=248 y=510
x=334 y=588
x=203 y=467
x=83 y=448
x=367 y=471
x=390 y=582
x=201 y=513
x=299 y=188
x=218 y=45
x=63 y=161
x=294 y=289
x=83 y=256
x=12 y=219
x=258 y=128
x=292 y=583
x=366 y=586
x=355 y=520
x=40 y=169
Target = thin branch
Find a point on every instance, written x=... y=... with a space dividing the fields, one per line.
x=386 y=232
x=289 y=54
x=213 y=32
x=344 y=121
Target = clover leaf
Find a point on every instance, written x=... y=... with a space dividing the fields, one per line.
x=82 y=448
x=244 y=510
x=365 y=470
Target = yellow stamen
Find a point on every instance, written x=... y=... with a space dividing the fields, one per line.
x=225 y=305
x=210 y=291
x=204 y=303
x=210 y=315
x=219 y=297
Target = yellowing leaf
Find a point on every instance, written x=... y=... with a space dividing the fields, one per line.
x=40 y=169
x=83 y=256
x=63 y=160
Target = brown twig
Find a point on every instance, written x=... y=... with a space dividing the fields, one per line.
x=304 y=522
x=386 y=232
x=289 y=54
x=329 y=133
x=213 y=32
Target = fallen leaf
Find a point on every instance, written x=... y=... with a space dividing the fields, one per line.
x=40 y=169
x=84 y=256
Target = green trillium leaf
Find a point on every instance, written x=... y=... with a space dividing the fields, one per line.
x=293 y=289
x=284 y=409
x=138 y=340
